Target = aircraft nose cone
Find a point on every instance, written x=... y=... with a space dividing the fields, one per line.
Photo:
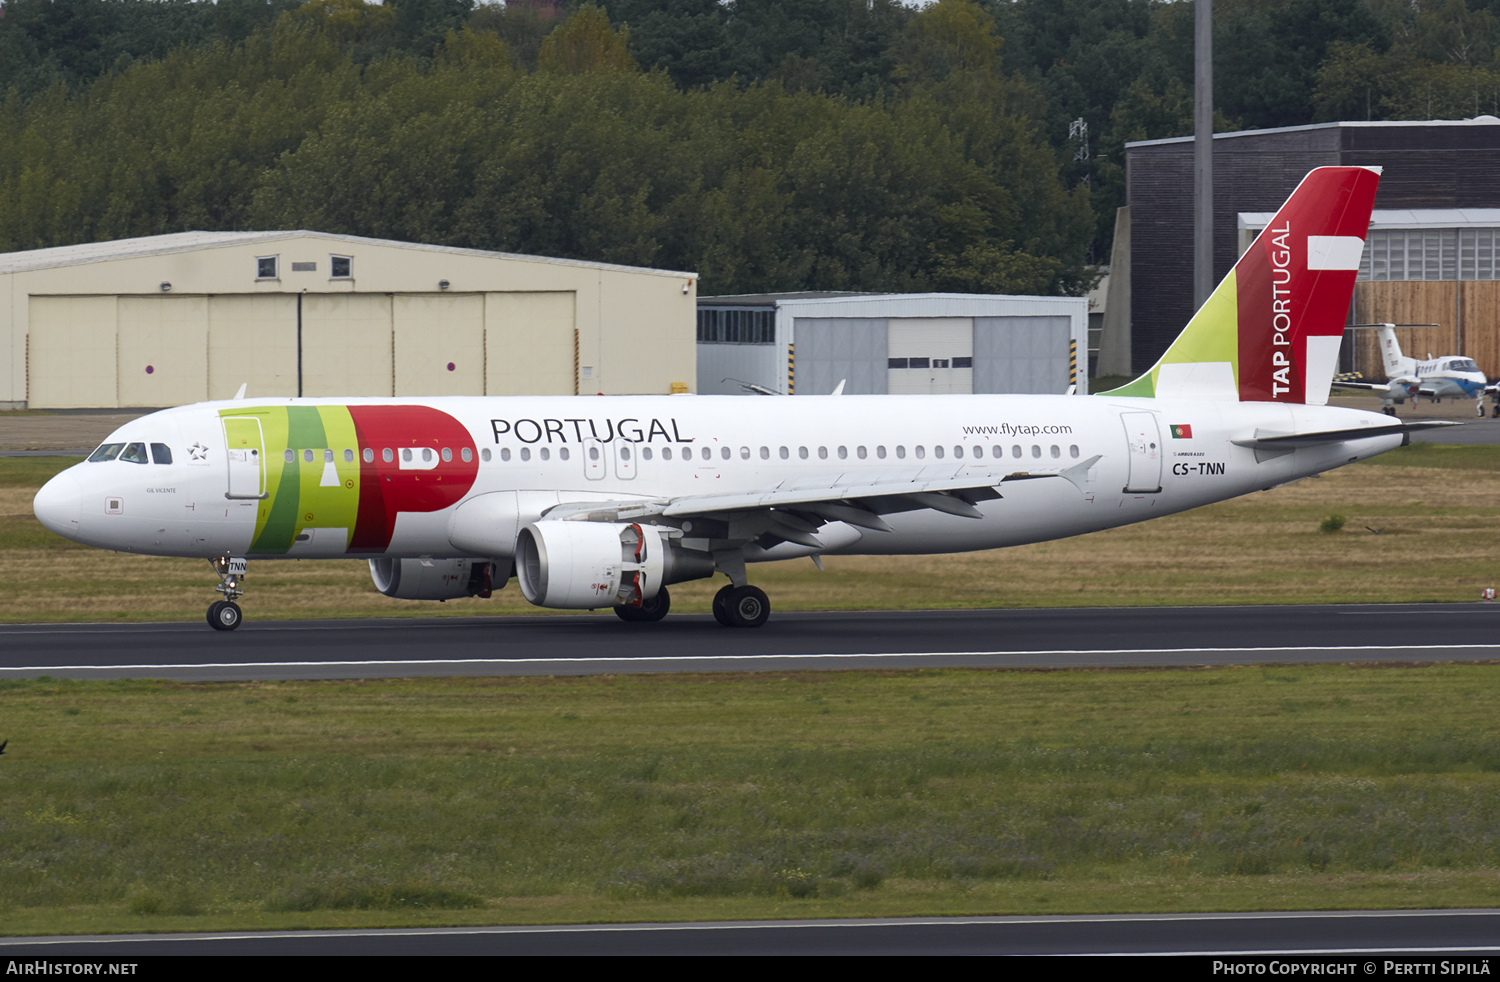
x=58 y=505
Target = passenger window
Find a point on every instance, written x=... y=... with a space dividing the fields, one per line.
x=744 y=453
x=959 y=451
x=666 y=453
x=1016 y=450
x=348 y=456
x=937 y=451
x=385 y=455
x=646 y=452
x=525 y=453
x=546 y=454
x=1073 y=450
x=484 y=454
x=1056 y=452
x=466 y=454
x=106 y=451
x=427 y=456
x=707 y=453
x=843 y=453
x=561 y=452
x=406 y=455
x=785 y=453
x=921 y=452
x=822 y=453
x=504 y=453
x=135 y=453
x=1036 y=451
x=290 y=456
x=765 y=453
x=448 y=456
x=900 y=452
x=593 y=453
x=861 y=452
x=307 y=456
x=724 y=452
x=802 y=452
x=160 y=453
x=880 y=451
x=624 y=453
x=995 y=450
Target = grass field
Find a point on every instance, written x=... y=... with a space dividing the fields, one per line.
x=134 y=806
x=1436 y=507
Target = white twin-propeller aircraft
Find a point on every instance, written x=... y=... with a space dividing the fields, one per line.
x=605 y=501
x=1450 y=375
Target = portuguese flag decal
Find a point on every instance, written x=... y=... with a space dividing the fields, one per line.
x=1182 y=431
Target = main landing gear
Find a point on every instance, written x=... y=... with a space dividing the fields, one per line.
x=649 y=611
x=741 y=606
x=225 y=615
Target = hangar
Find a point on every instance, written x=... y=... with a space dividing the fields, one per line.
x=896 y=343
x=172 y=319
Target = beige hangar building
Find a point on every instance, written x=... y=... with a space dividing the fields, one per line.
x=174 y=319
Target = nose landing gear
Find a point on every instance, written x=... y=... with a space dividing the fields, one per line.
x=225 y=615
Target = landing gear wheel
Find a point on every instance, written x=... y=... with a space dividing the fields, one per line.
x=748 y=606
x=649 y=611
x=721 y=606
x=223 y=615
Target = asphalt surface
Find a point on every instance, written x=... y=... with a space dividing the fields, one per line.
x=1360 y=935
x=602 y=644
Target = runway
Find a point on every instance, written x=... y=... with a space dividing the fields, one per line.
x=1356 y=935
x=601 y=644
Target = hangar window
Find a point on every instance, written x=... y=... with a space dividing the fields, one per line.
x=266 y=267
x=340 y=267
x=160 y=453
x=963 y=362
x=720 y=326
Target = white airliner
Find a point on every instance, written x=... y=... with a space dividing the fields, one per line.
x=1407 y=378
x=605 y=501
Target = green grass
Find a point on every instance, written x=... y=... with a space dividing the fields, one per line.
x=32 y=472
x=148 y=805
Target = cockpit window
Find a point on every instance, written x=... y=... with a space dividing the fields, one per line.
x=1463 y=365
x=135 y=453
x=161 y=453
x=107 y=451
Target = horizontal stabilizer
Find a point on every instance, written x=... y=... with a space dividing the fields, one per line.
x=1273 y=441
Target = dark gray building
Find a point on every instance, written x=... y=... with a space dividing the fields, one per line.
x=1442 y=169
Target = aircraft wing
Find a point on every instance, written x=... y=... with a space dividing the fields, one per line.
x=794 y=514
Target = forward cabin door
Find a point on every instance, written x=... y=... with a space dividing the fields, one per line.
x=1144 y=439
x=246 y=450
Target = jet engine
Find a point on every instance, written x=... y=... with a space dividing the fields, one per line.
x=583 y=565
x=434 y=579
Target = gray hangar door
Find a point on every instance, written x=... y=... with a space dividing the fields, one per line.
x=834 y=349
x=1021 y=354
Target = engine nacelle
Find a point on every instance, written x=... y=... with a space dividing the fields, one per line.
x=583 y=565
x=434 y=579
